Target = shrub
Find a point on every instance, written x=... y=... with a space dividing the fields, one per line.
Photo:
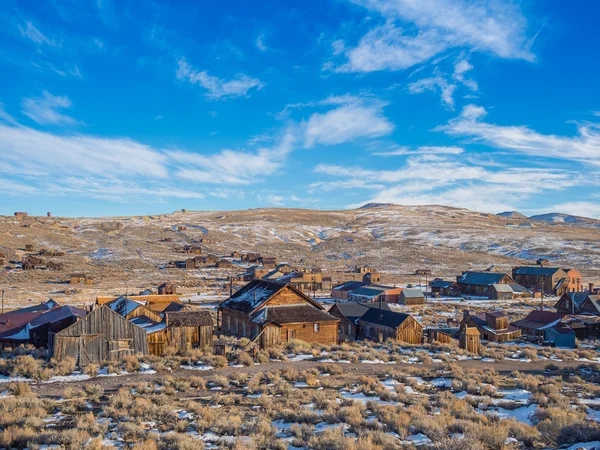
x=244 y=359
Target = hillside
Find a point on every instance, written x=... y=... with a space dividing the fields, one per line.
x=124 y=253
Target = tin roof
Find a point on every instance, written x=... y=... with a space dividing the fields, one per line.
x=385 y=318
x=292 y=314
x=536 y=270
x=481 y=278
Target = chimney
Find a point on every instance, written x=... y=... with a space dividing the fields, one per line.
x=466 y=313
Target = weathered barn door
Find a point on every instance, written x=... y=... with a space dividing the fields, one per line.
x=92 y=349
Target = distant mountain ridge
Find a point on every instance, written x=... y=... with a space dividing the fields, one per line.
x=553 y=217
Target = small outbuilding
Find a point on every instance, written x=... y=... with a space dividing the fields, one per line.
x=103 y=335
x=411 y=297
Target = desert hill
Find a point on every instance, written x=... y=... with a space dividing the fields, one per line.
x=127 y=253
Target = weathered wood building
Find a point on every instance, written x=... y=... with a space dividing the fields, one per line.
x=470 y=340
x=479 y=283
x=381 y=325
x=103 y=335
x=273 y=312
x=349 y=314
x=493 y=326
x=411 y=297
x=579 y=303
x=549 y=280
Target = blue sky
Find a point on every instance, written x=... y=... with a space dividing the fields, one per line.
x=140 y=107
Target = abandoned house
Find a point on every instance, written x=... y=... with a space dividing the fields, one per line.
x=493 y=326
x=270 y=262
x=579 y=303
x=445 y=335
x=478 y=284
x=540 y=324
x=305 y=281
x=411 y=297
x=500 y=292
x=470 y=340
x=342 y=291
x=33 y=324
x=275 y=313
x=80 y=278
x=549 y=280
x=443 y=288
x=371 y=277
x=192 y=249
x=167 y=289
x=349 y=314
x=224 y=264
x=380 y=325
x=102 y=335
x=363 y=269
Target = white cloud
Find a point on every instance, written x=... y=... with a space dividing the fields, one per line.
x=29 y=31
x=461 y=67
x=485 y=25
x=435 y=84
x=45 y=109
x=31 y=152
x=426 y=149
x=235 y=167
x=260 y=43
x=583 y=147
x=444 y=179
x=352 y=119
x=217 y=88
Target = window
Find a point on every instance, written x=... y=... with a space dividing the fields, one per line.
x=236 y=330
x=349 y=329
x=316 y=327
x=244 y=329
x=228 y=323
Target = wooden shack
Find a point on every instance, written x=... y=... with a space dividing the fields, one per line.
x=80 y=278
x=103 y=335
x=470 y=340
x=167 y=289
x=411 y=297
x=381 y=325
x=442 y=335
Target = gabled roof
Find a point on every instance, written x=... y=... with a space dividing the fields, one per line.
x=367 y=291
x=123 y=305
x=57 y=314
x=292 y=314
x=258 y=292
x=540 y=320
x=481 y=278
x=349 y=285
x=39 y=307
x=384 y=318
x=503 y=288
x=519 y=289
x=443 y=284
x=147 y=324
x=576 y=297
x=536 y=270
x=412 y=293
x=354 y=311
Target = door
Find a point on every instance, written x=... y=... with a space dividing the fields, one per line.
x=92 y=349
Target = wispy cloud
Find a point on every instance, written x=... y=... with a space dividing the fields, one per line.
x=415 y=32
x=461 y=67
x=585 y=146
x=217 y=88
x=423 y=150
x=4 y=116
x=29 y=31
x=353 y=118
x=260 y=43
x=435 y=84
x=45 y=109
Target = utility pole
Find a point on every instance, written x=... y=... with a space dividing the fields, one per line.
x=2 y=301
x=426 y=284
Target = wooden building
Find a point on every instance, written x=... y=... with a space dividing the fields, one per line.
x=411 y=297
x=500 y=292
x=381 y=325
x=270 y=262
x=53 y=265
x=273 y=312
x=342 y=291
x=423 y=272
x=103 y=335
x=493 y=326
x=305 y=281
x=549 y=280
x=192 y=250
x=372 y=277
x=442 y=335
x=80 y=278
x=349 y=315
x=224 y=264
x=478 y=284
x=167 y=289
x=363 y=269
x=537 y=322
x=470 y=340
x=579 y=303
x=443 y=288
x=180 y=332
